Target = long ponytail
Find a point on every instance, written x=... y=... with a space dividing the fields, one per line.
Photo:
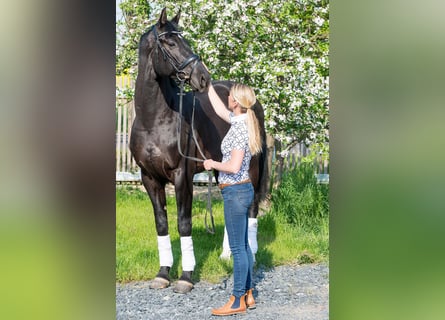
x=245 y=96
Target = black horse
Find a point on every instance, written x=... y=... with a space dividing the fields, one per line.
x=165 y=58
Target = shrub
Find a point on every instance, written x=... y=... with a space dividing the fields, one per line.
x=300 y=199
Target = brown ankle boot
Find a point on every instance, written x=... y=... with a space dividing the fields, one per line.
x=250 y=301
x=227 y=310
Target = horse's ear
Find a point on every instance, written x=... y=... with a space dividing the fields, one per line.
x=163 y=18
x=176 y=18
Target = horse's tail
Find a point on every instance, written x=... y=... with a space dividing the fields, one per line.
x=264 y=170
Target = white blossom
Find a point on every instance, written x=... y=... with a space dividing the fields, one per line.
x=283 y=65
x=319 y=21
x=284 y=153
x=271 y=123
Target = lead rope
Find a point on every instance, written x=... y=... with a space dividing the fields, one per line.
x=209 y=173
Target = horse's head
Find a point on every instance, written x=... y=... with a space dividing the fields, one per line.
x=173 y=56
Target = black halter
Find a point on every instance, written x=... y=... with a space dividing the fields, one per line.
x=179 y=67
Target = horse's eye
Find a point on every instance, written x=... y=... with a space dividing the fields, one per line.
x=171 y=43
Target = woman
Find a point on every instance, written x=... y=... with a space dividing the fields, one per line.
x=240 y=143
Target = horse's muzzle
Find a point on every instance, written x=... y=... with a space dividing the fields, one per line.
x=200 y=78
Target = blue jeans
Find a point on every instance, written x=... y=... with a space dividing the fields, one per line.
x=237 y=200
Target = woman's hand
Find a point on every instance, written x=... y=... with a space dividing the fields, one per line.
x=231 y=166
x=208 y=164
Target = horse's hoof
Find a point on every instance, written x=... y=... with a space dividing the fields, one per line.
x=159 y=283
x=183 y=286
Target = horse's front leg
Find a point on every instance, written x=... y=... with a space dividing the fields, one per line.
x=184 y=199
x=156 y=192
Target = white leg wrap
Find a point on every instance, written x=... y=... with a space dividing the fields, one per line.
x=165 y=251
x=253 y=230
x=188 y=256
x=226 y=249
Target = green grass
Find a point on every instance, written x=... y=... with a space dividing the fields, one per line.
x=136 y=246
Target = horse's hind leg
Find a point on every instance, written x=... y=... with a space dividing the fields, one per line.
x=184 y=199
x=156 y=192
x=253 y=213
x=254 y=173
x=252 y=230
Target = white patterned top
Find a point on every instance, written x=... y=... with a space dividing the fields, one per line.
x=236 y=138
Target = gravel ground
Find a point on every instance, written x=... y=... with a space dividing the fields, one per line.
x=297 y=292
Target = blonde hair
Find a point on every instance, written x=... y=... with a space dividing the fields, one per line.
x=246 y=98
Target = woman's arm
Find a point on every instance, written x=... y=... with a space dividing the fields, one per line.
x=218 y=105
x=231 y=166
